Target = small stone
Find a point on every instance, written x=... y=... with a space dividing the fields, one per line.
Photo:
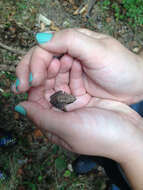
x=66 y=24
x=136 y=49
x=70 y=168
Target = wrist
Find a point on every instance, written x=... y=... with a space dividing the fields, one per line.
x=132 y=145
x=133 y=167
x=133 y=150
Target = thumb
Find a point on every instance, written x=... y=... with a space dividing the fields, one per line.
x=45 y=119
x=71 y=41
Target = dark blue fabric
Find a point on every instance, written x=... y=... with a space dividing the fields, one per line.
x=138 y=107
x=84 y=164
x=114 y=187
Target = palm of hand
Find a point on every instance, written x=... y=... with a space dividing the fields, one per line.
x=68 y=78
x=93 y=124
x=92 y=120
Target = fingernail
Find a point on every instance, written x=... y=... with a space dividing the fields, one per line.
x=20 y=110
x=17 y=84
x=30 y=79
x=43 y=37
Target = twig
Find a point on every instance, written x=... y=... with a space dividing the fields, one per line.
x=19 y=52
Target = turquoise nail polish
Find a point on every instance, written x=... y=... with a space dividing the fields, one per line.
x=17 y=84
x=30 y=79
x=20 y=110
x=43 y=37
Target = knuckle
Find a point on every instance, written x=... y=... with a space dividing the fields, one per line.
x=70 y=33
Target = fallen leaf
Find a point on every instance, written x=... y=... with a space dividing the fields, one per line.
x=37 y=133
x=20 y=172
x=134 y=46
x=81 y=11
x=16 y=115
x=71 y=1
x=44 y=19
x=42 y=27
x=53 y=27
x=136 y=49
x=108 y=19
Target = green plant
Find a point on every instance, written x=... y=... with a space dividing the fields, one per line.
x=116 y=8
x=60 y=164
x=126 y=10
x=106 y=4
x=134 y=11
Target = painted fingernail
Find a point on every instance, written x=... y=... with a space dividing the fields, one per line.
x=20 y=110
x=17 y=84
x=43 y=37
x=30 y=79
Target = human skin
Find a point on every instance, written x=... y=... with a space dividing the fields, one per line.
x=100 y=67
x=95 y=124
x=104 y=128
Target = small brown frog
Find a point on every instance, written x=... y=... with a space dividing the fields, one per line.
x=59 y=99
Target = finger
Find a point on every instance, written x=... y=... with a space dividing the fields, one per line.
x=76 y=79
x=40 y=62
x=81 y=101
x=62 y=79
x=92 y=34
x=53 y=68
x=112 y=106
x=61 y=82
x=66 y=63
x=74 y=43
x=22 y=73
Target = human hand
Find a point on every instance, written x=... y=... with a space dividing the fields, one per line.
x=102 y=67
x=104 y=127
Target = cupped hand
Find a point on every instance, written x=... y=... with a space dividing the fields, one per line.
x=103 y=127
x=100 y=66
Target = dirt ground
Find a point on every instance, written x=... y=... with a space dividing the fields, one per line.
x=33 y=163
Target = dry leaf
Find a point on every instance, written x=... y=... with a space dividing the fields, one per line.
x=136 y=49
x=42 y=27
x=20 y=172
x=71 y=1
x=16 y=115
x=53 y=27
x=81 y=11
x=108 y=19
x=37 y=133
x=44 y=19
